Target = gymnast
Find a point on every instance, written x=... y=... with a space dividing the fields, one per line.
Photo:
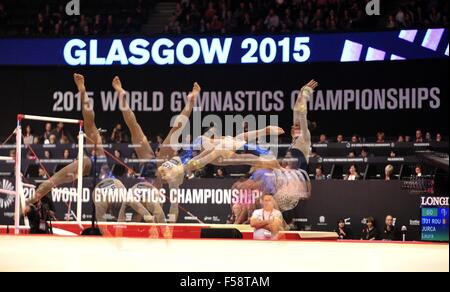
x=287 y=185
x=145 y=152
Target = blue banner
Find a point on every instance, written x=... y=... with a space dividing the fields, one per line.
x=165 y=51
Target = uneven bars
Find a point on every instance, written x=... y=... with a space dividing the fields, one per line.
x=48 y=119
x=18 y=176
x=80 y=172
x=6 y=158
x=20 y=197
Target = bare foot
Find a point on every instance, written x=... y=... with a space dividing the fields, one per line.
x=117 y=85
x=79 y=81
x=274 y=130
x=195 y=91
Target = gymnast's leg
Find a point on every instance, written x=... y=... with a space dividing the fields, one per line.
x=167 y=152
x=68 y=174
x=92 y=134
x=144 y=151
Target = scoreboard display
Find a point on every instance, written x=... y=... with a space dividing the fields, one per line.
x=434 y=223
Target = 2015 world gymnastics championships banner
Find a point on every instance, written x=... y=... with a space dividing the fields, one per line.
x=167 y=51
x=360 y=97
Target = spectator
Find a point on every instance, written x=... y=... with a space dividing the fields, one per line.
x=352 y=173
x=419 y=136
x=105 y=172
x=392 y=154
x=428 y=137
x=319 y=173
x=401 y=139
x=36 y=140
x=438 y=137
x=390 y=23
x=110 y=25
x=52 y=139
x=209 y=13
x=390 y=233
x=117 y=153
x=400 y=17
x=28 y=137
x=117 y=135
x=220 y=173
x=66 y=154
x=418 y=171
x=48 y=154
x=42 y=174
x=380 y=137
x=351 y=154
x=355 y=139
x=72 y=30
x=342 y=231
x=130 y=173
x=216 y=25
x=340 y=138
x=407 y=139
x=272 y=21
x=267 y=221
x=59 y=131
x=323 y=139
x=389 y=172
x=98 y=26
x=364 y=152
x=370 y=231
x=129 y=27
x=174 y=26
x=47 y=132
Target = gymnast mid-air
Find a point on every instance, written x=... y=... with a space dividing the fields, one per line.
x=288 y=186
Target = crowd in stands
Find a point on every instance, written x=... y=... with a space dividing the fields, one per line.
x=284 y=16
x=56 y=134
x=40 y=18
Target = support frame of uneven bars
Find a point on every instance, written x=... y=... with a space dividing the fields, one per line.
x=20 y=197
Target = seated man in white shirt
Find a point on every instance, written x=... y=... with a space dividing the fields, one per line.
x=268 y=221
